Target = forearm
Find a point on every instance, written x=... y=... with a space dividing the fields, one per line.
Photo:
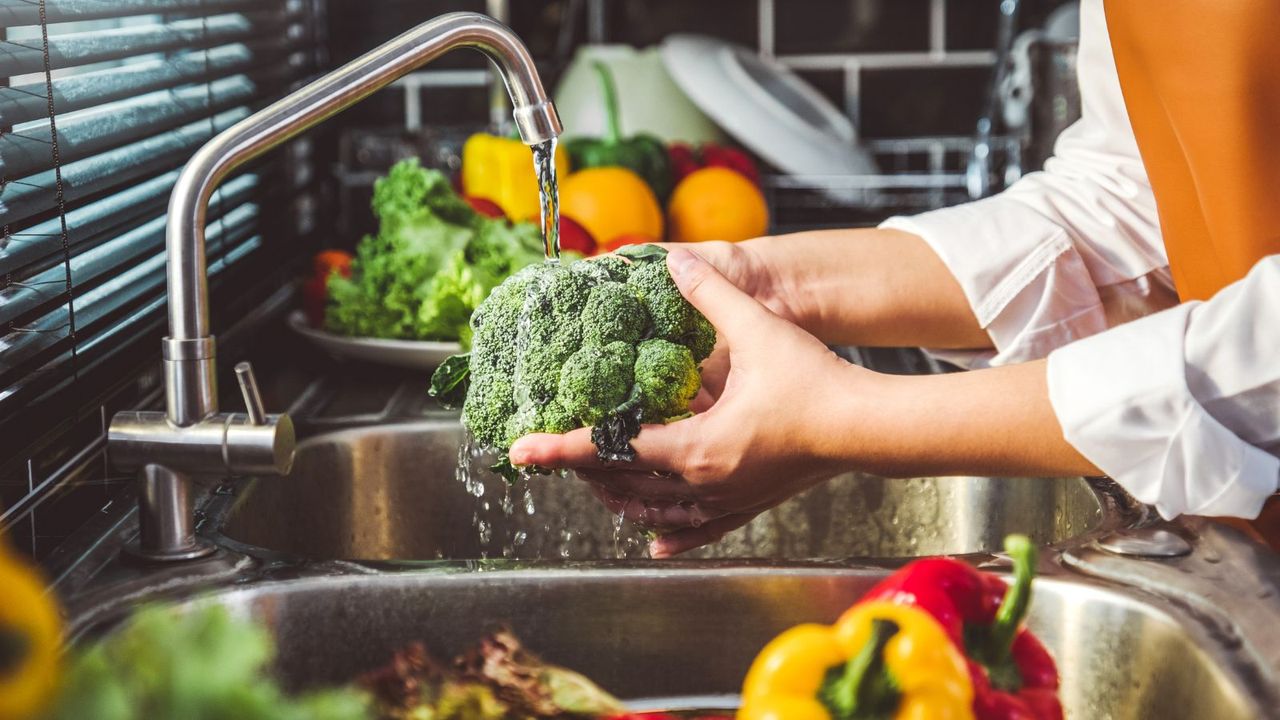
x=868 y=287
x=996 y=422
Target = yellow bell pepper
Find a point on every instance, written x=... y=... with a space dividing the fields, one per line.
x=501 y=169
x=879 y=660
x=30 y=639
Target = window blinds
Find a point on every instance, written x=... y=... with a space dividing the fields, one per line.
x=101 y=103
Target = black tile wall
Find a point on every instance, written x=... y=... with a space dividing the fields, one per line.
x=645 y=22
x=358 y=25
x=971 y=24
x=851 y=26
x=921 y=101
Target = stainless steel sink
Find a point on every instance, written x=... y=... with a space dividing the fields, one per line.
x=392 y=492
x=678 y=632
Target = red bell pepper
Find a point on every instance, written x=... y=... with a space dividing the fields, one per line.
x=685 y=159
x=1014 y=677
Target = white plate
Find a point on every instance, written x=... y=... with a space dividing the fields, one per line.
x=413 y=354
x=768 y=108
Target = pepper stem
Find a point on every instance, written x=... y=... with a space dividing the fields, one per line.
x=855 y=687
x=1013 y=609
x=612 y=125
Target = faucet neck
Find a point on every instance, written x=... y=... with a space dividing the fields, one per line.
x=534 y=115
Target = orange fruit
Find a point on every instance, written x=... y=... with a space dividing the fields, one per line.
x=611 y=201
x=716 y=203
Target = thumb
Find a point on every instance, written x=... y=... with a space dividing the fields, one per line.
x=733 y=312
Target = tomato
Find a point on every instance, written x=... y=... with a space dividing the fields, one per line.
x=575 y=237
x=484 y=206
x=315 y=293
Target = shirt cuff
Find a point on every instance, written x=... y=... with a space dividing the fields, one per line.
x=1024 y=279
x=1123 y=402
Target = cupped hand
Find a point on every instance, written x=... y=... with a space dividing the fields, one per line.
x=765 y=434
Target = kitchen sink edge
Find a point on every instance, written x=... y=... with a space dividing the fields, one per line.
x=1165 y=639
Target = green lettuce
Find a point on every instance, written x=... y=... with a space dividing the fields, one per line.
x=432 y=262
x=198 y=665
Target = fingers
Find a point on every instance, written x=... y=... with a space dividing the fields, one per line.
x=572 y=449
x=687 y=539
x=732 y=311
x=629 y=483
x=655 y=515
x=658 y=447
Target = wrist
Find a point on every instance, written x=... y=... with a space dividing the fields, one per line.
x=778 y=271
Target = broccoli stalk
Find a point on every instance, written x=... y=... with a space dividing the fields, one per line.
x=609 y=344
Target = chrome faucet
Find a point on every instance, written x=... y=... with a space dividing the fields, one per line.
x=191 y=438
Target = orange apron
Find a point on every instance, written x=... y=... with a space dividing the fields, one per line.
x=1201 y=83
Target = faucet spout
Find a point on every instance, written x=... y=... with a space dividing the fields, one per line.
x=535 y=118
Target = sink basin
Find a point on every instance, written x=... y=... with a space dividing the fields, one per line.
x=392 y=492
x=692 y=631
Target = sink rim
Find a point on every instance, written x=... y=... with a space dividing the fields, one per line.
x=1119 y=510
x=1242 y=669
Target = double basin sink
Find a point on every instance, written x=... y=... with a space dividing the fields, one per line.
x=374 y=541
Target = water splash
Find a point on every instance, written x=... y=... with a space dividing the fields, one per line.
x=544 y=164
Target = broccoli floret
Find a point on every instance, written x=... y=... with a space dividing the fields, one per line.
x=607 y=343
x=613 y=313
x=489 y=405
x=673 y=318
x=596 y=379
x=667 y=378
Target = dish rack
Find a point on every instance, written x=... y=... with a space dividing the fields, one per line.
x=915 y=174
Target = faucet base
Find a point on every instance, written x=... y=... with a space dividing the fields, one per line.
x=199 y=548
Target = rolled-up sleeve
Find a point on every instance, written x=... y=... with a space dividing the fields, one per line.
x=1066 y=252
x=1183 y=408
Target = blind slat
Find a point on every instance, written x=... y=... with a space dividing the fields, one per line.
x=132 y=325
x=91 y=263
x=21 y=349
x=26 y=151
x=19 y=57
x=21 y=199
x=27 y=12
x=44 y=239
x=24 y=103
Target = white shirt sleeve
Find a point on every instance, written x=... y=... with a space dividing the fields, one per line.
x=1067 y=252
x=1183 y=408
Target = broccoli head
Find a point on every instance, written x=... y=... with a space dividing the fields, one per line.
x=607 y=343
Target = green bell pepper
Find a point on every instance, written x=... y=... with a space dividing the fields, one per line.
x=643 y=154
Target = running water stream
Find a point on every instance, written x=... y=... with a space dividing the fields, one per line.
x=544 y=164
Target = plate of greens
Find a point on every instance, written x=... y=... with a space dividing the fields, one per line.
x=412 y=354
x=412 y=286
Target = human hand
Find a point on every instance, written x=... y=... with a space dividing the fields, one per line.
x=769 y=429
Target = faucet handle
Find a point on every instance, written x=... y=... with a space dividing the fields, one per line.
x=252 y=396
